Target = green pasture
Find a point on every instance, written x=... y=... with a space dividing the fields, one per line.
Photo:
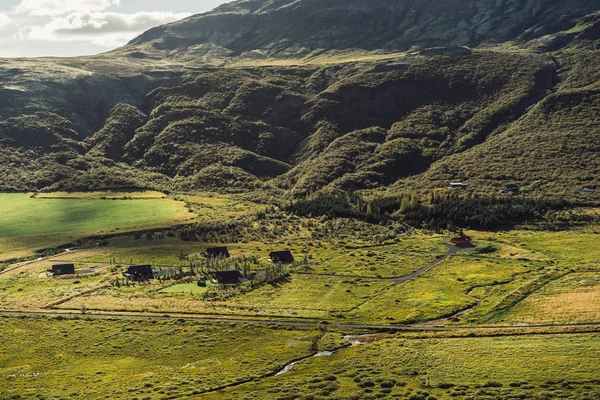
x=304 y=293
x=28 y=288
x=568 y=248
x=575 y=298
x=386 y=261
x=102 y=195
x=440 y=292
x=522 y=367
x=22 y=216
x=126 y=359
x=192 y=288
x=308 y=296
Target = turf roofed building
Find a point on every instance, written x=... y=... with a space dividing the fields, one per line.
x=462 y=240
x=214 y=252
x=228 y=277
x=281 y=257
x=139 y=273
x=61 y=269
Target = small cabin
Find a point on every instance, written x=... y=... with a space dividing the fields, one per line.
x=139 y=273
x=227 y=277
x=459 y=185
x=512 y=188
x=215 y=252
x=463 y=240
x=281 y=257
x=586 y=190
x=61 y=269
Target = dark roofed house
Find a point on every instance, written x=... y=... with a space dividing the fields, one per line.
x=283 y=257
x=512 y=188
x=588 y=190
x=214 y=252
x=61 y=269
x=139 y=273
x=462 y=240
x=227 y=277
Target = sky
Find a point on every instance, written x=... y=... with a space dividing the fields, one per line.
x=35 y=28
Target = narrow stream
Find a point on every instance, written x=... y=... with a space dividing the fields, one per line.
x=288 y=367
x=354 y=340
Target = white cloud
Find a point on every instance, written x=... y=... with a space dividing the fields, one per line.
x=61 y=7
x=5 y=21
x=107 y=29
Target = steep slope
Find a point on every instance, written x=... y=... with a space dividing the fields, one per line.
x=553 y=149
x=160 y=114
x=292 y=28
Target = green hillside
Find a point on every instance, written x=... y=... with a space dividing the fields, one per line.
x=506 y=106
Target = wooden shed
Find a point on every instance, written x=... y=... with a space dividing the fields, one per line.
x=139 y=273
x=463 y=240
x=282 y=257
x=214 y=252
x=61 y=269
x=228 y=277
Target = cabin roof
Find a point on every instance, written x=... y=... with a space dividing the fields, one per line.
x=233 y=276
x=217 y=251
x=281 y=253
x=284 y=256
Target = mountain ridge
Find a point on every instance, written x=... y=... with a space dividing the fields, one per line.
x=291 y=28
x=202 y=116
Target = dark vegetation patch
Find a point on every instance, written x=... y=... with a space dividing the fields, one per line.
x=438 y=212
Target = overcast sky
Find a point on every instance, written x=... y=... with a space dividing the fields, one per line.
x=30 y=28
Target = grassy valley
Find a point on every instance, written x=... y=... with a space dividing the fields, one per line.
x=308 y=200
x=514 y=294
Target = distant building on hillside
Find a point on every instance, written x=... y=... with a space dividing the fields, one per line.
x=214 y=252
x=281 y=257
x=462 y=240
x=512 y=188
x=61 y=269
x=227 y=277
x=139 y=273
x=458 y=185
x=588 y=190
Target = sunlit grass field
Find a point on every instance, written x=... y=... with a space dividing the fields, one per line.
x=511 y=278
x=21 y=215
x=526 y=367
x=124 y=359
x=31 y=224
x=440 y=292
x=573 y=299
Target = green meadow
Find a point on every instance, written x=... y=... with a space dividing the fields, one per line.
x=126 y=359
x=21 y=215
x=476 y=313
x=479 y=368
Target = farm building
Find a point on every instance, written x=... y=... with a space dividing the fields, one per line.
x=512 y=188
x=459 y=185
x=214 y=252
x=462 y=240
x=139 y=273
x=588 y=190
x=227 y=277
x=61 y=269
x=283 y=257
